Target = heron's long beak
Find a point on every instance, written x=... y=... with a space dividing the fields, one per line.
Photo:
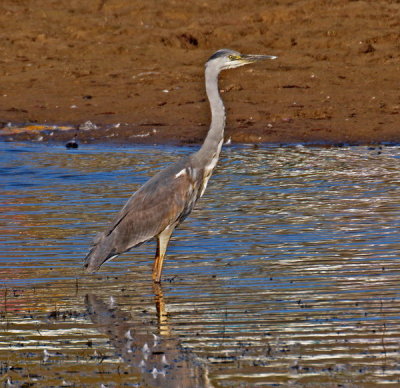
x=254 y=58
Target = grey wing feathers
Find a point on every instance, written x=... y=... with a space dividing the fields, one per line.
x=160 y=202
x=165 y=200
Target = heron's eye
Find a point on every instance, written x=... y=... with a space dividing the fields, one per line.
x=233 y=57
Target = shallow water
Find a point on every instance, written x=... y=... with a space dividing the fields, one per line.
x=286 y=274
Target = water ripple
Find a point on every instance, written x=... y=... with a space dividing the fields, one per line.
x=286 y=274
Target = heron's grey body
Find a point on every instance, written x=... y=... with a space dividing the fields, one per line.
x=164 y=201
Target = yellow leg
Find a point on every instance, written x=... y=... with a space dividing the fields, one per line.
x=162 y=243
x=162 y=315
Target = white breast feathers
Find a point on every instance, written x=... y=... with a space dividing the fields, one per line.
x=181 y=173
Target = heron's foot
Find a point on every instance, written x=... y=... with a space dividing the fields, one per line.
x=156 y=276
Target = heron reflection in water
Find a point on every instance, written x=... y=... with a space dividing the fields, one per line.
x=164 y=201
x=159 y=358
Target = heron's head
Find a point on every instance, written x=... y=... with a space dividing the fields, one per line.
x=229 y=59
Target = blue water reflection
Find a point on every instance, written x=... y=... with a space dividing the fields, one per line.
x=287 y=272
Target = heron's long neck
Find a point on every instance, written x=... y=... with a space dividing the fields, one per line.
x=213 y=141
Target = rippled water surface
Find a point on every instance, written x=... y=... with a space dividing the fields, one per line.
x=286 y=274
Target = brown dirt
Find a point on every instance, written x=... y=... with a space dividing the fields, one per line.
x=113 y=61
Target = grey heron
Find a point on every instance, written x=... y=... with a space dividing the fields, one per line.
x=165 y=200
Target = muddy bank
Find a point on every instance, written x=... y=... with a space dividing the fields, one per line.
x=135 y=69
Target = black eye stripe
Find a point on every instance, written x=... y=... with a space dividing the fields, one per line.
x=229 y=54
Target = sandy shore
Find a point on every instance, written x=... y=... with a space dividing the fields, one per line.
x=135 y=69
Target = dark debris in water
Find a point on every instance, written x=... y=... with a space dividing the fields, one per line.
x=64 y=315
x=72 y=144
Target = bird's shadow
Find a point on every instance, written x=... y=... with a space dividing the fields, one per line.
x=159 y=357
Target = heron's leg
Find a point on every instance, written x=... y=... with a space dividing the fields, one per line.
x=163 y=325
x=162 y=243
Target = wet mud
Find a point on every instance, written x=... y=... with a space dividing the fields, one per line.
x=135 y=70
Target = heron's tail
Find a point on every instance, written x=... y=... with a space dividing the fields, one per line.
x=102 y=250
